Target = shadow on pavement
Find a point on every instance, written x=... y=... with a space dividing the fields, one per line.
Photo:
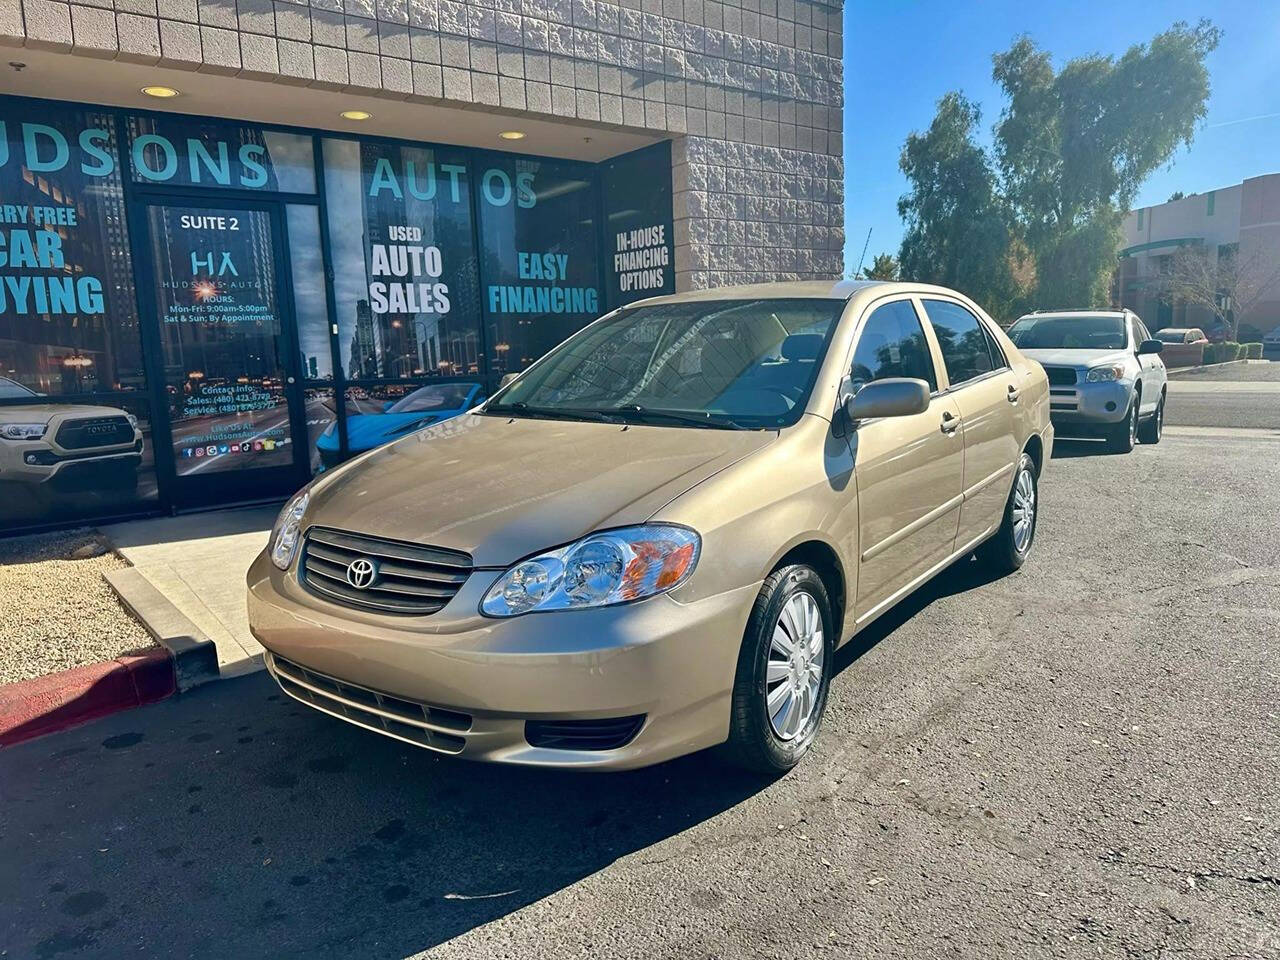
x=233 y=822
x=1071 y=449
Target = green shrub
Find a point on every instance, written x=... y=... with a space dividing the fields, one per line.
x=1252 y=351
x=1223 y=352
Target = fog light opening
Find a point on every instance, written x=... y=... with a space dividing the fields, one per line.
x=1111 y=406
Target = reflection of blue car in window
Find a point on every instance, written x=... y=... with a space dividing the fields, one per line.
x=425 y=406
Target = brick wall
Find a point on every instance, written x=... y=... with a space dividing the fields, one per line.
x=750 y=90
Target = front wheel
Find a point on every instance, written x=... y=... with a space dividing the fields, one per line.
x=1123 y=436
x=1009 y=548
x=784 y=672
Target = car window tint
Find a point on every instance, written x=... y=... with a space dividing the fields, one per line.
x=961 y=339
x=892 y=344
x=993 y=347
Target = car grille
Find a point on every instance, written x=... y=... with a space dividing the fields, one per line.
x=93 y=432
x=427 y=726
x=606 y=734
x=410 y=579
x=1061 y=376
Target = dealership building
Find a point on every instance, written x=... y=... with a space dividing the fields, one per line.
x=241 y=240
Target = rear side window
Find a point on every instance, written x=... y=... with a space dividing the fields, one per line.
x=964 y=344
x=892 y=344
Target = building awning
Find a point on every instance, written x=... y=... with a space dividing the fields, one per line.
x=1157 y=244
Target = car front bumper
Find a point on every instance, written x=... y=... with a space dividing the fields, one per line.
x=1089 y=403
x=463 y=684
x=58 y=469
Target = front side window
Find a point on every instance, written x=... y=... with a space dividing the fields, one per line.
x=963 y=342
x=740 y=364
x=892 y=344
x=1080 y=332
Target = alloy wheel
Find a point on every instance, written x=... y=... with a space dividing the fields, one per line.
x=793 y=676
x=1024 y=510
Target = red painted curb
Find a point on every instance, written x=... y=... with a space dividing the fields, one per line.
x=32 y=708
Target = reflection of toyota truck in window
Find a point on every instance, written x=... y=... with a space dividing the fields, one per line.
x=58 y=448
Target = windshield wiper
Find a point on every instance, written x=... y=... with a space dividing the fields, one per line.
x=715 y=422
x=520 y=408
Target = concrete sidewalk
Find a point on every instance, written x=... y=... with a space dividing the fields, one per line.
x=198 y=563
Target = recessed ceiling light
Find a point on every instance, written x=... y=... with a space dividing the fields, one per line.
x=512 y=134
x=164 y=93
x=356 y=115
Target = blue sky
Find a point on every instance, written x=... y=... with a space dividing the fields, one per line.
x=901 y=56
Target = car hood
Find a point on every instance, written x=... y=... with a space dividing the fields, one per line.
x=502 y=489
x=44 y=412
x=1075 y=358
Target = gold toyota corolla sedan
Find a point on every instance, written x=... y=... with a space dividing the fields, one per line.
x=655 y=539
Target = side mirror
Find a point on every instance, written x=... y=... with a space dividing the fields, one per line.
x=1149 y=346
x=892 y=397
x=506 y=378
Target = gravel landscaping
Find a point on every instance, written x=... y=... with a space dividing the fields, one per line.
x=56 y=611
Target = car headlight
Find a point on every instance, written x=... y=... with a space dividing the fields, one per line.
x=284 y=535
x=22 y=431
x=133 y=421
x=1104 y=374
x=615 y=566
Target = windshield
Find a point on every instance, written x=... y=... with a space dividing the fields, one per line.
x=1069 y=333
x=12 y=390
x=438 y=396
x=1171 y=335
x=744 y=364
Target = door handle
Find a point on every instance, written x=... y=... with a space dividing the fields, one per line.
x=949 y=423
x=1013 y=394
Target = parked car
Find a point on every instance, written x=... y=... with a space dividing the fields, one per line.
x=655 y=539
x=56 y=448
x=1106 y=378
x=421 y=408
x=1180 y=335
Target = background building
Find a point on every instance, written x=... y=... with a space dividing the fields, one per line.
x=1241 y=221
x=340 y=201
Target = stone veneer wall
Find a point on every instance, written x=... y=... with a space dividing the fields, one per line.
x=749 y=90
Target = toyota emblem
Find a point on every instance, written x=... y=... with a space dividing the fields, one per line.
x=361 y=572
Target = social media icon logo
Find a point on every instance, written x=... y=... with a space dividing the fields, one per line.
x=224 y=448
x=268 y=444
x=245 y=447
x=211 y=450
x=186 y=451
x=257 y=445
x=199 y=451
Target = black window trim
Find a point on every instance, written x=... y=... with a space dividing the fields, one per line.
x=860 y=324
x=994 y=371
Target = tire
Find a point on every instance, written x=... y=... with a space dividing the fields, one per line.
x=754 y=740
x=1123 y=436
x=1153 y=429
x=1008 y=550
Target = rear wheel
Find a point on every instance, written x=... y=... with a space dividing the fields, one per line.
x=784 y=672
x=1153 y=429
x=1123 y=436
x=1009 y=548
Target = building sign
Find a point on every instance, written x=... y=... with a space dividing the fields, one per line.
x=640 y=255
x=172 y=150
x=216 y=295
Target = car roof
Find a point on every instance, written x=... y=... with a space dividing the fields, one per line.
x=1054 y=314
x=841 y=290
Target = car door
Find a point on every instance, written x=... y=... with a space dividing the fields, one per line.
x=907 y=470
x=1153 y=371
x=983 y=386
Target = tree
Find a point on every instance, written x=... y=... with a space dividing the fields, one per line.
x=1071 y=149
x=1176 y=195
x=883 y=267
x=957 y=231
x=1228 y=285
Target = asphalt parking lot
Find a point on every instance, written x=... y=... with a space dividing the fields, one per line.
x=1080 y=760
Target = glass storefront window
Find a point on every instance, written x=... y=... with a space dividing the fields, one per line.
x=218 y=308
x=310 y=304
x=175 y=151
x=378 y=414
x=403 y=253
x=540 y=266
x=322 y=425
x=68 y=316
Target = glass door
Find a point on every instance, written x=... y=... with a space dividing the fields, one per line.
x=218 y=301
